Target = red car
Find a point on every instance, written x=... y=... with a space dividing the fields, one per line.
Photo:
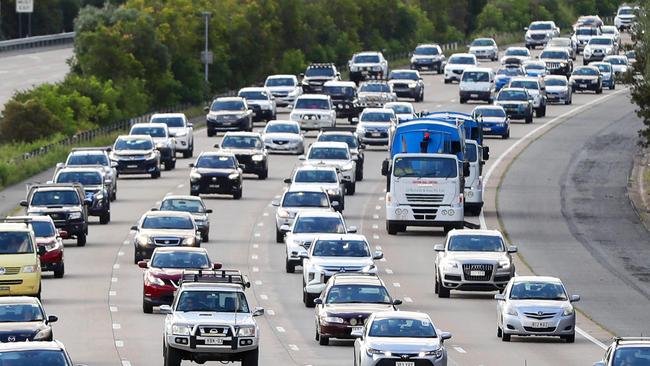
x=163 y=272
x=49 y=240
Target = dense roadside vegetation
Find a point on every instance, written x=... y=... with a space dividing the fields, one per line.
x=144 y=54
x=640 y=77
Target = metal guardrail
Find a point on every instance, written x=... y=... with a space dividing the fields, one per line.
x=37 y=41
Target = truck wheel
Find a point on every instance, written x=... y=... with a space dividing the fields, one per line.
x=506 y=135
x=147 y=308
x=391 y=228
x=599 y=90
x=289 y=267
x=171 y=357
x=263 y=175
x=570 y=338
x=447 y=81
x=60 y=271
x=308 y=299
x=105 y=218
x=505 y=337
x=463 y=100
x=359 y=174
x=156 y=174
x=81 y=240
x=351 y=188
x=211 y=132
x=250 y=358
x=114 y=195
x=279 y=236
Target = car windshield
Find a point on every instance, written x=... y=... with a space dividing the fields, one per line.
x=601 y=41
x=525 y=84
x=404 y=75
x=167 y=222
x=279 y=82
x=212 y=301
x=34 y=358
x=471 y=153
x=366 y=59
x=585 y=71
x=586 y=31
x=535 y=290
x=476 y=76
x=626 y=11
x=375 y=88
x=310 y=225
x=180 y=259
x=282 y=128
x=241 y=142
x=540 y=26
x=228 y=105
x=319 y=71
x=182 y=205
x=328 y=153
x=512 y=95
x=170 y=121
x=352 y=141
x=43 y=229
x=461 y=60
x=616 y=61
x=629 y=54
x=359 y=294
x=559 y=42
x=535 y=66
x=426 y=51
x=151 y=131
x=425 y=167
x=345 y=91
x=15 y=242
x=402 y=328
x=15 y=313
x=87 y=159
x=510 y=71
x=376 y=117
x=308 y=103
x=341 y=248
x=85 y=178
x=631 y=356
x=215 y=162
x=55 y=198
x=305 y=199
x=482 y=43
x=517 y=52
x=554 y=55
x=254 y=95
x=400 y=108
x=604 y=67
x=608 y=30
x=490 y=112
x=133 y=144
x=315 y=176
x=475 y=243
x=556 y=82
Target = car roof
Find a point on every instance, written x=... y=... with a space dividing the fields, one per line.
x=517 y=48
x=374 y=82
x=28 y=346
x=282 y=122
x=519 y=279
x=230 y=99
x=39 y=218
x=484 y=39
x=340 y=83
x=513 y=89
x=253 y=89
x=242 y=133
x=182 y=197
x=58 y=187
x=319 y=214
x=542 y=22
x=13 y=227
x=133 y=137
x=315 y=167
x=524 y=78
x=428 y=45
x=367 y=53
x=632 y=341
x=282 y=76
x=341 y=237
x=463 y=55
x=304 y=188
x=169 y=115
x=378 y=110
x=205 y=286
x=82 y=168
x=533 y=62
x=314 y=96
x=217 y=153
x=489 y=106
x=180 y=249
x=401 y=315
x=164 y=213
x=336 y=133
x=601 y=37
x=350 y=278
x=555 y=49
x=18 y=300
x=461 y=232
x=150 y=124
x=478 y=69
x=405 y=70
x=555 y=77
x=332 y=144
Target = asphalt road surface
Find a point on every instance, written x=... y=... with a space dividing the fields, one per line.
x=99 y=300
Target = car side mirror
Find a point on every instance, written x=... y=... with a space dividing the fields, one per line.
x=397 y=302
x=574 y=298
x=190 y=125
x=143 y=264
x=302 y=157
x=352 y=229
x=362 y=146
x=217 y=265
x=23 y=203
x=191 y=165
x=355 y=120
x=49 y=182
x=335 y=204
x=525 y=28
x=302 y=74
x=134 y=228
x=318 y=301
x=486 y=153
x=512 y=249
x=287 y=180
x=206 y=109
x=59 y=165
x=378 y=255
x=357 y=332
x=154 y=209
x=258 y=312
x=275 y=203
x=209 y=211
x=285 y=228
x=445 y=336
x=439 y=248
x=63 y=234
x=599 y=363
x=499 y=297
x=216 y=146
x=385 y=167
x=466 y=168
x=114 y=164
x=52 y=319
x=165 y=309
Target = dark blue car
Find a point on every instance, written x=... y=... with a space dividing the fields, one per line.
x=504 y=75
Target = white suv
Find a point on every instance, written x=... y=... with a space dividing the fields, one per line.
x=457 y=63
x=337 y=155
x=313 y=112
x=179 y=128
x=367 y=65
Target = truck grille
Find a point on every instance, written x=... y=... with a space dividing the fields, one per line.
x=167 y=241
x=400 y=86
x=214 y=331
x=468 y=268
x=9 y=271
x=425 y=198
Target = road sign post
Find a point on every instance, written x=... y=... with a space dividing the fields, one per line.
x=24 y=6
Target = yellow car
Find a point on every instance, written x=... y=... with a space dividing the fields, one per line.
x=20 y=268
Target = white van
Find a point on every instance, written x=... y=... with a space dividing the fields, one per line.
x=477 y=83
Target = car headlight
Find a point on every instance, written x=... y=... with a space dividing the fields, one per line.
x=181 y=329
x=568 y=311
x=450 y=265
x=189 y=241
x=43 y=334
x=594 y=81
x=437 y=353
x=412 y=85
x=151 y=156
x=373 y=351
x=348 y=166
x=282 y=213
x=412 y=59
x=195 y=176
x=53 y=245
x=246 y=332
x=331 y=319
x=30 y=269
x=99 y=196
x=294 y=117
x=368 y=268
x=161 y=145
x=332 y=192
x=510 y=310
x=75 y=215
x=154 y=280
x=294 y=93
x=144 y=239
x=504 y=264
x=258 y=157
x=233 y=176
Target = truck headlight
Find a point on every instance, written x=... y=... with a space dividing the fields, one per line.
x=75 y=215
x=331 y=319
x=233 y=176
x=30 y=269
x=181 y=329
x=195 y=177
x=258 y=157
x=246 y=332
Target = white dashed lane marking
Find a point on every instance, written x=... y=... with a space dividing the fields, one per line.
x=396 y=284
x=255 y=269
x=375 y=236
x=375 y=226
x=407 y=299
x=113 y=309
x=389 y=271
x=459 y=349
x=377 y=207
x=119 y=344
x=270 y=312
x=264 y=297
x=117 y=326
x=112 y=293
x=293 y=347
x=376 y=217
x=258 y=283
x=280 y=329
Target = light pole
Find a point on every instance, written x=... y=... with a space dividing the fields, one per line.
x=206 y=56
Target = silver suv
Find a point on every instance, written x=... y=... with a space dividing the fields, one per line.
x=473 y=260
x=210 y=320
x=627 y=351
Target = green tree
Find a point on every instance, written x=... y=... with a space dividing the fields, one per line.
x=27 y=121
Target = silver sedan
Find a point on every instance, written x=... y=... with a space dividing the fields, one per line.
x=536 y=306
x=284 y=137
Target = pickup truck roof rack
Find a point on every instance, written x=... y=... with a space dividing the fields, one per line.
x=321 y=64
x=216 y=276
x=18 y=220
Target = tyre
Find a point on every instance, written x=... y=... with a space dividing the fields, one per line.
x=447 y=81
x=168 y=165
x=599 y=90
x=538 y=112
x=237 y=195
x=613 y=86
x=251 y=358
x=506 y=135
x=392 y=229
x=359 y=174
x=205 y=237
x=570 y=338
x=105 y=218
x=308 y=299
x=211 y=132
x=499 y=332
x=81 y=240
x=505 y=337
x=443 y=292
x=544 y=111
x=529 y=118
x=289 y=267
x=137 y=257
x=114 y=195
x=279 y=236
x=171 y=357
x=187 y=153
x=60 y=271
x=263 y=175
x=156 y=174
x=324 y=341
x=351 y=188
x=147 y=308
x=463 y=100
x=194 y=193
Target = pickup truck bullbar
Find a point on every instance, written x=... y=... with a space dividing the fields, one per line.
x=232 y=276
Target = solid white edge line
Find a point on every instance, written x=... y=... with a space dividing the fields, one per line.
x=591 y=339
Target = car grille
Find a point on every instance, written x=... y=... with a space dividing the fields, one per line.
x=280 y=94
x=538 y=36
x=582 y=81
x=167 y=241
x=306 y=245
x=400 y=86
x=394 y=361
x=9 y=271
x=457 y=71
x=244 y=159
x=539 y=315
x=311 y=116
x=280 y=142
x=214 y=331
x=426 y=198
x=382 y=134
x=11 y=282
x=468 y=268
x=58 y=216
x=552 y=65
x=16 y=337
x=343 y=269
x=540 y=330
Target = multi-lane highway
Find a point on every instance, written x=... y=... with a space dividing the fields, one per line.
x=541 y=205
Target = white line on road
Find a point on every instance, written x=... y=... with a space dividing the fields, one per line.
x=270 y=312
x=120 y=253
x=126 y=242
x=113 y=309
x=293 y=347
x=256 y=269
x=265 y=214
x=375 y=226
x=257 y=235
x=378 y=247
x=377 y=207
x=389 y=271
x=119 y=344
x=180 y=186
x=255 y=246
x=126 y=363
x=459 y=349
x=114 y=279
x=260 y=224
x=264 y=297
x=112 y=293
x=116 y=266
x=254 y=257
x=117 y=326
x=407 y=299
x=258 y=283
x=280 y=329
x=396 y=284
x=590 y=338
x=376 y=217
x=375 y=236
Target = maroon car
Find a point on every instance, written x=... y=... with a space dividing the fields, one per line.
x=346 y=303
x=164 y=270
x=49 y=241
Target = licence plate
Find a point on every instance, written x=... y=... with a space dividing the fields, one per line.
x=356 y=329
x=583 y=85
x=477 y=273
x=404 y=363
x=376 y=134
x=213 y=341
x=4 y=288
x=541 y=324
x=487 y=129
x=214 y=186
x=131 y=166
x=364 y=72
x=474 y=95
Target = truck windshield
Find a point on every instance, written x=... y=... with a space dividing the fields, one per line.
x=426 y=51
x=475 y=243
x=319 y=71
x=339 y=91
x=471 y=153
x=15 y=242
x=341 y=248
x=366 y=59
x=55 y=198
x=180 y=259
x=305 y=103
x=365 y=294
x=279 y=82
x=307 y=225
x=85 y=178
x=375 y=88
x=305 y=199
x=33 y=357
x=151 y=131
x=212 y=301
x=425 y=167
x=315 y=176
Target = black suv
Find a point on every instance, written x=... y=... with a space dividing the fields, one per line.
x=249 y=149
x=558 y=61
x=216 y=173
x=92 y=179
x=316 y=75
x=344 y=98
x=64 y=203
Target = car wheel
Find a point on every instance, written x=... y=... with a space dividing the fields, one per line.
x=147 y=308
x=599 y=90
x=81 y=240
x=505 y=337
x=171 y=357
x=105 y=218
x=60 y=271
x=436 y=284
x=279 y=236
x=156 y=174
x=463 y=100
x=194 y=193
x=308 y=299
x=447 y=81
x=506 y=135
x=351 y=188
x=137 y=257
x=324 y=341
x=529 y=118
x=443 y=292
x=211 y=132
x=359 y=173
x=205 y=237
x=289 y=267
x=612 y=87
x=237 y=195
x=499 y=332
x=263 y=175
